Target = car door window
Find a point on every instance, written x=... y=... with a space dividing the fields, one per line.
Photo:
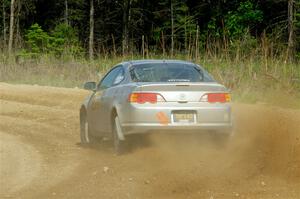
x=109 y=79
x=120 y=77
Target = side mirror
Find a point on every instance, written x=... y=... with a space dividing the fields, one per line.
x=91 y=86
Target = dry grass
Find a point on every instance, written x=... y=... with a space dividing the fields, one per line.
x=250 y=79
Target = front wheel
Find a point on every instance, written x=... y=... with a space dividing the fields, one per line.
x=119 y=145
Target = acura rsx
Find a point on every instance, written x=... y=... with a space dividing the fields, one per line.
x=145 y=96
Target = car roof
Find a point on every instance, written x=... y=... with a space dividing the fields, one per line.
x=148 y=61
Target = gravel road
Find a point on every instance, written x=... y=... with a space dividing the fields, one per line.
x=41 y=156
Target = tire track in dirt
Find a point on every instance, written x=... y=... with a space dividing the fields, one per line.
x=262 y=161
x=22 y=163
x=40 y=123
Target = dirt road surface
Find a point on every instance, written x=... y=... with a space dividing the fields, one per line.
x=41 y=156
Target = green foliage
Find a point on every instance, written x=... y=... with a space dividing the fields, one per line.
x=62 y=41
x=37 y=40
x=244 y=45
x=213 y=29
x=222 y=25
x=245 y=17
x=184 y=25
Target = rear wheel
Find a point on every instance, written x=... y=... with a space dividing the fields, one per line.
x=119 y=145
x=85 y=132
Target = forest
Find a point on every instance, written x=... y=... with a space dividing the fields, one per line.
x=237 y=40
x=99 y=27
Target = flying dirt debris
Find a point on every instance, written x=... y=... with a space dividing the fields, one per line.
x=41 y=156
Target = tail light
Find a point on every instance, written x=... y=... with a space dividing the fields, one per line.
x=216 y=97
x=142 y=98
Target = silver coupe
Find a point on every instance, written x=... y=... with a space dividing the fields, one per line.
x=154 y=96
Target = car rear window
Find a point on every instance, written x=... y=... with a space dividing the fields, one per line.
x=169 y=72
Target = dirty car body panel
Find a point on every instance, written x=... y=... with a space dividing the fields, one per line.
x=158 y=95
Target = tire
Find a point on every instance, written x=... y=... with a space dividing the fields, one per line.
x=85 y=133
x=119 y=145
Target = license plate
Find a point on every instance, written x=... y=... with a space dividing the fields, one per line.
x=184 y=117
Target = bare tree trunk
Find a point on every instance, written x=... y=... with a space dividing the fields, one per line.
x=189 y=45
x=291 y=29
x=17 y=37
x=172 y=29
x=225 y=39
x=4 y=24
x=143 y=46
x=114 y=45
x=66 y=12
x=126 y=19
x=11 y=26
x=185 y=32
x=91 y=38
x=196 y=43
x=163 y=43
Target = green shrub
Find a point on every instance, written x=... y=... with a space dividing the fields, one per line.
x=246 y=16
x=62 y=41
x=37 y=41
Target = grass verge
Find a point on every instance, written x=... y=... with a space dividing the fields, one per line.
x=251 y=80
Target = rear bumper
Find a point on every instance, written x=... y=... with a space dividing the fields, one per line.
x=134 y=128
x=144 y=118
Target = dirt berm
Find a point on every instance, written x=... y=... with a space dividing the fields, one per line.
x=41 y=156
